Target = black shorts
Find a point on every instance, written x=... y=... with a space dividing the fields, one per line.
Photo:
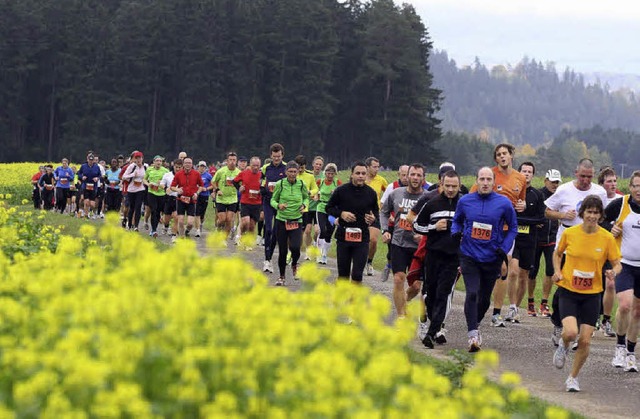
x=308 y=217
x=251 y=211
x=584 y=307
x=401 y=258
x=525 y=251
x=201 y=205
x=546 y=251
x=89 y=195
x=169 y=205
x=376 y=224
x=188 y=209
x=629 y=279
x=226 y=207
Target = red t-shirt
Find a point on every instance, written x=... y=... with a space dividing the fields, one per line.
x=35 y=178
x=251 y=181
x=189 y=182
x=125 y=183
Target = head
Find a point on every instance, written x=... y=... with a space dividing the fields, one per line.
x=254 y=164
x=65 y=162
x=552 y=180
x=503 y=155
x=182 y=155
x=485 y=180
x=528 y=170
x=202 y=166
x=416 y=177
x=634 y=186
x=444 y=168
x=157 y=161
x=292 y=171
x=330 y=171
x=242 y=163
x=450 y=182
x=177 y=165
x=114 y=164
x=318 y=162
x=187 y=164
x=48 y=168
x=138 y=158
x=584 y=174
x=358 y=173
x=42 y=169
x=609 y=181
x=302 y=161
x=591 y=209
x=120 y=160
x=403 y=174
x=90 y=159
x=232 y=160
x=276 y=152
x=373 y=165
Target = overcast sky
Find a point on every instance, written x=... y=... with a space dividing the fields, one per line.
x=586 y=35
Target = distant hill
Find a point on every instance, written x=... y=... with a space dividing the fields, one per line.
x=527 y=103
x=615 y=81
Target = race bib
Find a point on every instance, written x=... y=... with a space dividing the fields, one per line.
x=113 y=182
x=89 y=186
x=48 y=187
x=403 y=223
x=253 y=194
x=229 y=181
x=523 y=229
x=481 y=231
x=186 y=199
x=271 y=186
x=582 y=281
x=291 y=225
x=137 y=183
x=352 y=234
x=64 y=181
x=154 y=187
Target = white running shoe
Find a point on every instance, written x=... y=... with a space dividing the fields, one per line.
x=572 y=384
x=618 y=360
x=369 y=269
x=258 y=240
x=496 y=321
x=474 y=344
x=423 y=328
x=322 y=260
x=198 y=232
x=512 y=315
x=266 y=266
x=559 y=357
x=556 y=338
x=630 y=363
x=236 y=240
x=386 y=272
x=306 y=256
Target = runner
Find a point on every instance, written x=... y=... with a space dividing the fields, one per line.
x=226 y=194
x=479 y=221
x=312 y=230
x=623 y=215
x=525 y=245
x=326 y=186
x=564 y=206
x=309 y=181
x=441 y=263
x=378 y=184
x=35 y=196
x=186 y=183
x=113 y=198
x=64 y=178
x=248 y=183
x=584 y=248
x=134 y=174
x=89 y=174
x=355 y=205
x=171 y=200
x=547 y=231
x=404 y=241
x=290 y=198
x=271 y=174
x=203 y=196
x=156 y=193
x=403 y=179
x=47 y=183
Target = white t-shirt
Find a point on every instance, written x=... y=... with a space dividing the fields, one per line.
x=607 y=201
x=567 y=198
x=167 y=180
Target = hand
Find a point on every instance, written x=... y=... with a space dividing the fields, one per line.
x=180 y=190
x=610 y=275
x=241 y=188
x=570 y=215
x=386 y=237
x=616 y=230
x=84 y=178
x=557 y=277
x=520 y=205
x=369 y=218
x=348 y=216
x=302 y=207
x=282 y=206
x=95 y=179
x=315 y=197
x=441 y=225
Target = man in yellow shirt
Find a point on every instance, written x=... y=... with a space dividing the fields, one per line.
x=309 y=181
x=378 y=184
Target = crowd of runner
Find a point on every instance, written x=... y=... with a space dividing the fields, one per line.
x=494 y=234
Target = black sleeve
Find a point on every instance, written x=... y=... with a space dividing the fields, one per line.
x=421 y=203
x=611 y=213
x=333 y=207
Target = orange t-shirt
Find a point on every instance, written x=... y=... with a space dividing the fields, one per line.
x=513 y=186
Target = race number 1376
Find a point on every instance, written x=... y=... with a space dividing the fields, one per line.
x=481 y=231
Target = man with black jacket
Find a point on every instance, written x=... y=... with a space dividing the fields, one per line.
x=441 y=262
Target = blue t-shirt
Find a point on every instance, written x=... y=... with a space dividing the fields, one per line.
x=113 y=176
x=206 y=180
x=64 y=177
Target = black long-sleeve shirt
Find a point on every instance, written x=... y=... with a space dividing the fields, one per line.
x=359 y=200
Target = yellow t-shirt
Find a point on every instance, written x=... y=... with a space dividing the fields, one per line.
x=309 y=180
x=585 y=257
x=378 y=184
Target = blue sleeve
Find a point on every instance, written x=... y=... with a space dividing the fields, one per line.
x=458 y=219
x=511 y=220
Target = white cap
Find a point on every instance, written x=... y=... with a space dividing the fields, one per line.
x=553 y=175
x=202 y=163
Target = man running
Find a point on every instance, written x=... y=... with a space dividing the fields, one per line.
x=156 y=193
x=203 y=196
x=403 y=178
x=248 y=183
x=309 y=181
x=226 y=193
x=271 y=174
x=186 y=183
x=89 y=174
x=64 y=178
x=378 y=184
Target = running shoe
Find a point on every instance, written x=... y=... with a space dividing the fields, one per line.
x=258 y=240
x=531 y=310
x=294 y=269
x=630 y=363
x=572 y=385
x=186 y=232
x=429 y=342
x=197 y=232
x=441 y=339
x=165 y=230
x=607 y=329
x=512 y=315
x=322 y=260
x=619 y=357
x=544 y=310
x=559 y=357
x=280 y=282
x=497 y=321
x=146 y=225
x=266 y=266
x=574 y=345
x=423 y=327
x=306 y=256
x=369 y=269
x=386 y=272
x=556 y=337
x=474 y=344
x=174 y=238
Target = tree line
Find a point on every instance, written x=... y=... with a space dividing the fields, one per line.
x=345 y=79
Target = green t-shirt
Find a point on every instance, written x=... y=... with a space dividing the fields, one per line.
x=154 y=176
x=224 y=179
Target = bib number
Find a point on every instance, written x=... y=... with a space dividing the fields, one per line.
x=89 y=186
x=523 y=229
x=64 y=181
x=154 y=187
x=229 y=181
x=271 y=186
x=291 y=225
x=137 y=183
x=253 y=194
x=481 y=231
x=404 y=224
x=353 y=235
x=582 y=281
x=48 y=187
x=186 y=199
